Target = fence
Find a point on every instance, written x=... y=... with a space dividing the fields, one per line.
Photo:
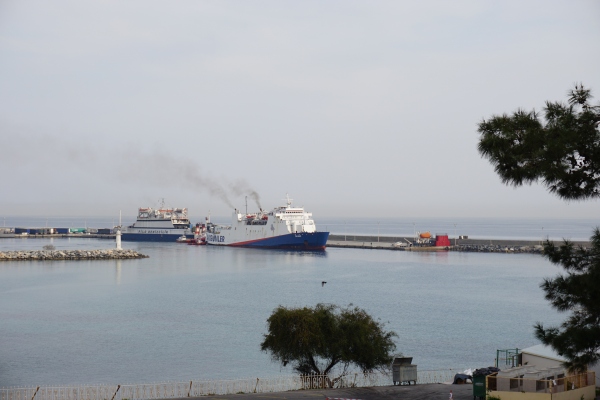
x=169 y=390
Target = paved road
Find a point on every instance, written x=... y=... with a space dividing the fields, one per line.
x=433 y=391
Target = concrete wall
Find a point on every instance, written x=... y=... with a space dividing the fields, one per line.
x=588 y=393
x=393 y=239
x=522 y=396
x=540 y=362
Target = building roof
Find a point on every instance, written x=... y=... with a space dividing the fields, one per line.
x=541 y=350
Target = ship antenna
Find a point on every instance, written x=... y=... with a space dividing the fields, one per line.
x=246 y=205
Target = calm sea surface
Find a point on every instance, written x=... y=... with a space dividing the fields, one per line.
x=191 y=312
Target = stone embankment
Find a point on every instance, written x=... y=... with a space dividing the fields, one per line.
x=49 y=255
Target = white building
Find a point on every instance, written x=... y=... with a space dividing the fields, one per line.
x=542 y=356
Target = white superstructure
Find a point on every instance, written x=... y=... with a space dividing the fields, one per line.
x=160 y=224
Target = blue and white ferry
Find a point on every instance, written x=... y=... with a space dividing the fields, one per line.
x=284 y=227
x=159 y=225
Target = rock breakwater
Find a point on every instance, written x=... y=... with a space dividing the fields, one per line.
x=49 y=255
x=488 y=248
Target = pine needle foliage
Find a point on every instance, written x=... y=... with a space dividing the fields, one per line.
x=562 y=152
x=578 y=293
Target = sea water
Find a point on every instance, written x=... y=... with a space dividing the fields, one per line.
x=199 y=312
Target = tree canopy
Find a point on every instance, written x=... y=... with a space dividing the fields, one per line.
x=563 y=153
x=577 y=292
x=315 y=340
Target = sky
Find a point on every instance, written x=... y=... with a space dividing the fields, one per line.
x=353 y=108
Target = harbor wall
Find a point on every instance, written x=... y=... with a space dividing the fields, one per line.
x=464 y=245
x=453 y=241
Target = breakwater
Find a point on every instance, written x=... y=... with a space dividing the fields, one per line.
x=497 y=248
x=10 y=235
x=51 y=255
x=466 y=245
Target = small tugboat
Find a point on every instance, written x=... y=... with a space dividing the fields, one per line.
x=199 y=238
x=200 y=241
x=184 y=239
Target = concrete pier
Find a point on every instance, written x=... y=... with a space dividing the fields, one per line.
x=59 y=235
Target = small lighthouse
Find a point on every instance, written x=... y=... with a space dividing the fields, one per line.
x=118 y=234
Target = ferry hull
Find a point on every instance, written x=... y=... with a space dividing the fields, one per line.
x=292 y=241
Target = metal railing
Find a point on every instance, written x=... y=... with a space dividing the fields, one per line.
x=167 y=390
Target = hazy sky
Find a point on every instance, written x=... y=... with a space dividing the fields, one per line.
x=354 y=108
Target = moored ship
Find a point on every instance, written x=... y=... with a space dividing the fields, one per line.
x=159 y=225
x=284 y=227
